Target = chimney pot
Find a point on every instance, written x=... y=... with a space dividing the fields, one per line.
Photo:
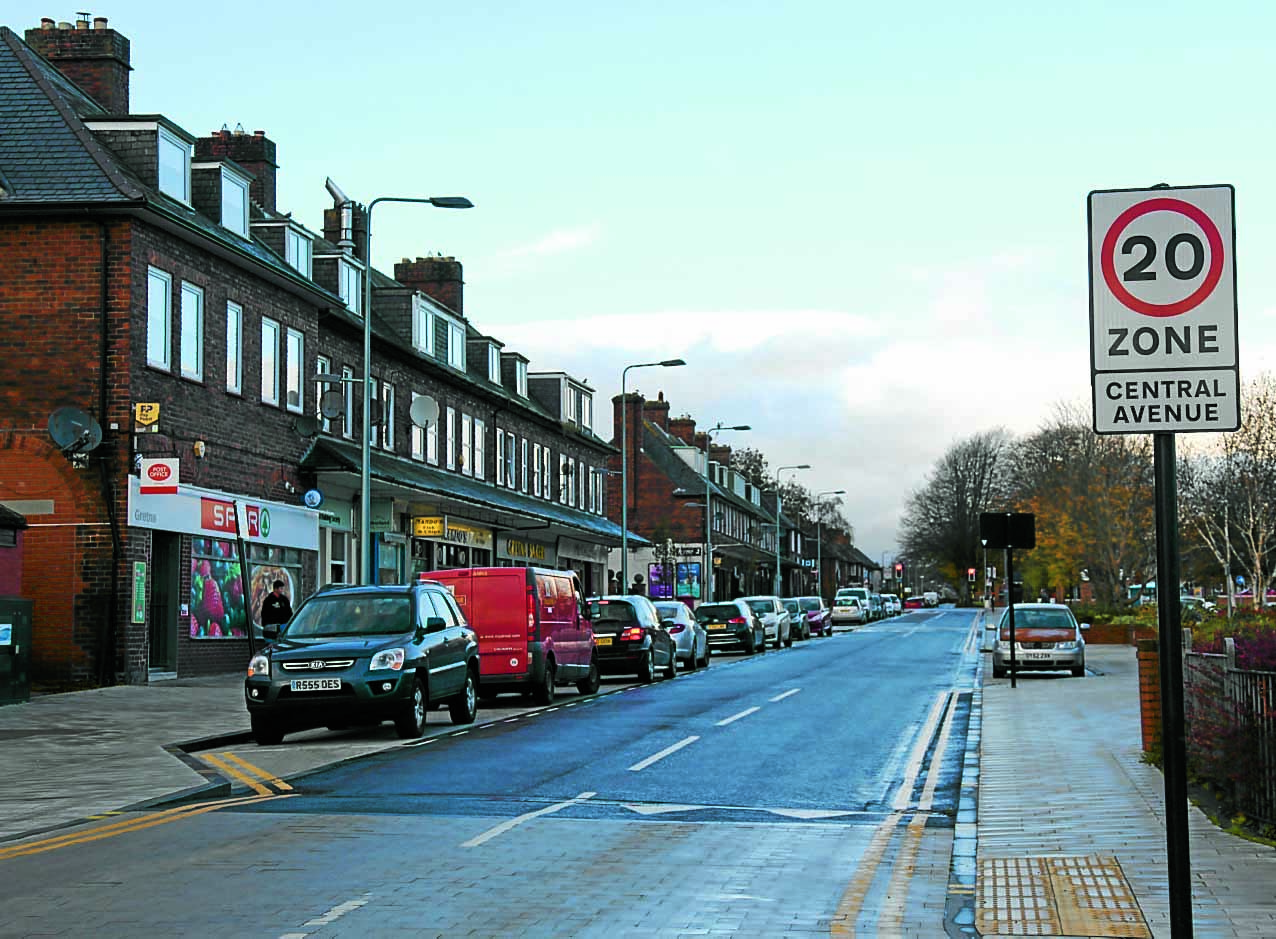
x=63 y=24
x=46 y=22
x=99 y=22
x=81 y=24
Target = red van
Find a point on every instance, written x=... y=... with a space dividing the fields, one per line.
x=533 y=628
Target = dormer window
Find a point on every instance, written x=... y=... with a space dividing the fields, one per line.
x=348 y=286
x=571 y=404
x=520 y=378
x=175 y=166
x=234 y=202
x=587 y=411
x=456 y=345
x=493 y=364
x=299 y=251
x=422 y=327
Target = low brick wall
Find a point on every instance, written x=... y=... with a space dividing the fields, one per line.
x=1107 y=634
x=1150 y=693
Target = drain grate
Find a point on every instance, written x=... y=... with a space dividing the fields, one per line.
x=1057 y=896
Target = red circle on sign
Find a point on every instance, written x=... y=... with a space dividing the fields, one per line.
x=1108 y=257
x=159 y=472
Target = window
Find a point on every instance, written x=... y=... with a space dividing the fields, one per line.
x=432 y=443
x=234 y=203
x=564 y=484
x=374 y=394
x=536 y=469
x=591 y=474
x=422 y=326
x=323 y=365
x=456 y=346
x=174 y=166
x=449 y=442
x=417 y=442
x=520 y=378
x=546 y=465
x=493 y=365
x=159 y=318
x=294 y=368
x=269 y=361
x=500 y=457
x=511 y=460
x=234 y=347
x=480 y=431
x=387 y=416
x=582 y=481
x=467 y=445
x=571 y=403
x=347 y=392
x=525 y=464
x=348 y=283
x=571 y=481
x=587 y=411
x=299 y=251
x=192 y=332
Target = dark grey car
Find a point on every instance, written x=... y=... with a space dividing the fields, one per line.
x=363 y=655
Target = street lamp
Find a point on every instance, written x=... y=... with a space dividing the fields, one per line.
x=708 y=513
x=624 y=465
x=819 y=521
x=365 y=449
x=796 y=466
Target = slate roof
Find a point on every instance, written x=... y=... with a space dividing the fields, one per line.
x=11 y=519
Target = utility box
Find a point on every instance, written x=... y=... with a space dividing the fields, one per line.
x=15 y=650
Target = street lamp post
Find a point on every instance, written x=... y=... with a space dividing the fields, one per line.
x=796 y=466
x=624 y=465
x=365 y=449
x=819 y=539
x=708 y=507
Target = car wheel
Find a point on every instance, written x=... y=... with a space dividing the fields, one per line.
x=704 y=663
x=1079 y=671
x=647 y=668
x=672 y=671
x=589 y=684
x=777 y=639
x=544 y=692
x=410 y=722
x=266 y=732
x=692 y=663
x=749 y=645
x=464 y=707
x=998 y=672
x=788 y=643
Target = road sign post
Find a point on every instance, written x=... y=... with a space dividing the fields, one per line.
x=1164 y=360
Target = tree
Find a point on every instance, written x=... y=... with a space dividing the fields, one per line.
x=752 y=465
x=941 y=522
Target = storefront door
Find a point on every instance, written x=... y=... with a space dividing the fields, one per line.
x=165 y=600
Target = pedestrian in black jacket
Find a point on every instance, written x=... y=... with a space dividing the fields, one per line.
x=276 y=609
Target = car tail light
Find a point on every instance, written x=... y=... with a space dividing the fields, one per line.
x=677 y=627
x=531 y=614
x=632 y=634
x=736 y=621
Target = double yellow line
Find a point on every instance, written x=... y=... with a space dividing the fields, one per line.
x=254 y=777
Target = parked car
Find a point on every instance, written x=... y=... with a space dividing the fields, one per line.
x=631 y=639
x=799 y=630
x=1047 y=638
x=814 y=613
x=732 y=623
x=891 y=604
x=848 y=609
x=930 y=598
x=776 y=622
x=914 y=603
x=876 y=610
x=363 y=655
x=689 y=636
x=533 y=628
x=860 y=593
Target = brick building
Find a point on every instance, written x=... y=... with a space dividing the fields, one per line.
x=149 y=282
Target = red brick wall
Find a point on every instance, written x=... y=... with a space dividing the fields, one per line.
x=1150 y=694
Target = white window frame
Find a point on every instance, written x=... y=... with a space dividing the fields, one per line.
x=524 y=486
x=299 y=251
x=387 y=416
x=347 y=392
x=456 y=345
x=416 y=444
x=235 y=212
x=159 y=318
x=234 y=347
x=374 y=391
x=323 y=366
x=480 y=448
x=294 y=370
x=563 y=484
x=511 y=460
x=450 y=443
x=179 y=189
x=269 y=376
x=350 y=285
x=432 y=443
x=536 y=470
x=547 y=471
x=570 y=404
x=192 y=341
x=520 y=378
x=500 y=457
x=467 y=445
x=579 y=471
x=493 y=364
x=422 y=326
x=587 y=411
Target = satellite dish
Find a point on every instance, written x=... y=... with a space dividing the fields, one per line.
x=74 y=431
x=424 y=411
x=305 y=425
x=332 y=403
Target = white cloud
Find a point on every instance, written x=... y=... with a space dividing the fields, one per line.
x=559 y=241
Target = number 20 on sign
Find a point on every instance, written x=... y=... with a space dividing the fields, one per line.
x=1163 y=346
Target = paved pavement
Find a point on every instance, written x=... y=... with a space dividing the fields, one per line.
x=1061 y=789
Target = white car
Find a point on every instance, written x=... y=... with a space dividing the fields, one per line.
x=777 y=624
x=848 y=609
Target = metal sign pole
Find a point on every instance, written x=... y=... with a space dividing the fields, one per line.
x=1010 y=612
x=1173 y=744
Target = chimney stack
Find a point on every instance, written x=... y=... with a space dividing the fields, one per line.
x=657 y=411
x=255 y=153
x=96 y=59
x=439 y=278
x=684 y=428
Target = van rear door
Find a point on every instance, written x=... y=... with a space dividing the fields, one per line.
x=494 y=600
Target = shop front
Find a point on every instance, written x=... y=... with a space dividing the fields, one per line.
x=516 y=550
x=213 y=558
x=588 y=560
x=675 y=572
x=443 y=542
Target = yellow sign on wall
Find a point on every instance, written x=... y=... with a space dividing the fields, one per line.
x=146 y=413
x=429 y=526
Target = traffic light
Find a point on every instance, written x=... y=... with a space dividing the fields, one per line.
x=970 y=574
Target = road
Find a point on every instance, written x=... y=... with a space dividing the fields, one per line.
x=805 y=791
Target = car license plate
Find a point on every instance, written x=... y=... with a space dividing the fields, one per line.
x=1037 y=655
x=715 y=626
x=603 y=640
x=316 y=684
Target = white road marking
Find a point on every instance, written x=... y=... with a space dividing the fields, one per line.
x=904 y=795
x=685 y=742
x=331 y=916
x=515 y=822
x=736 y=717
x=421 y=743
x=510 y=720
x=787 y=694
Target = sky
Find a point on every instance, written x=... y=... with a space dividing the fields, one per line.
x=863 y=226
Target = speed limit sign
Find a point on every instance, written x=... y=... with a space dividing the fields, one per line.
x=1163 y=347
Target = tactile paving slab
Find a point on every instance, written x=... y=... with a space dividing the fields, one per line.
x=1057 y=896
